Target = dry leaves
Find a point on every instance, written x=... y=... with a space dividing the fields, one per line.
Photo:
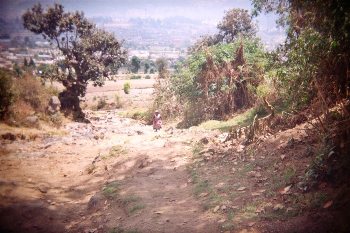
x=328 y=204
x=285 y=190
x=241 y=188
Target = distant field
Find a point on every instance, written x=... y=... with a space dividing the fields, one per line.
x=118 y=85
x=140 y=95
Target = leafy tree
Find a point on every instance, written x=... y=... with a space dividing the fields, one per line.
x=315 y=58
x=162 y=66
x=220 y=79
x=47 y=72
x=135 y=64
x=25 y=62
x=236 y=22
x=204 y=42
x=6 y=92
x=17 y=70
x=147 y=67
x=31 y=62
x=89 y=52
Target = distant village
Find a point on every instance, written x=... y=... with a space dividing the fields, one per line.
x=24 y=48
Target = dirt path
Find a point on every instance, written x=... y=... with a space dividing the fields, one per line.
x=113 y=175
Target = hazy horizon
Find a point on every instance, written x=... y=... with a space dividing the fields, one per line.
x=205 y=11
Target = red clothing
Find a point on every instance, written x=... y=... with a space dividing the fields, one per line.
x=157 y=121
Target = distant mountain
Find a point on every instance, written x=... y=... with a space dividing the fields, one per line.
x=174 y=22
x=177 y=31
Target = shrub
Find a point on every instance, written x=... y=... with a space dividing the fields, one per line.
x=118 y=102
x=165 y=100
x=147 y=77
x=140 y=114
x=6 y=93
x=31 y=91
x=23 y=97
x=126 y=87
x=206 y=79
x=101 y=103
x=135 y=77
x=56 y=119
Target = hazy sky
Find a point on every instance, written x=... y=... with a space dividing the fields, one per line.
x=207 y=11
x=195 y=9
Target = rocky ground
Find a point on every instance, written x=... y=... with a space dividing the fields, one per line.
x=117 y=175
x=107 y=176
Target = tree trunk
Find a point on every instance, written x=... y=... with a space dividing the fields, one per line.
x=70 y=104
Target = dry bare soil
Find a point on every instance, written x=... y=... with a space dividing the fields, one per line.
x=118 y=175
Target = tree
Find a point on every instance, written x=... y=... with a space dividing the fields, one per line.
x=220 y=79
x=47 y=72
x=25 y=62
x=6 y=92
x=162 y=66
x=204 y=42
x=315 y=57
x=147 y=67
x=89 y=52
x=31 y=62
x=236 y=22
x=135 y=64
x=17 y=70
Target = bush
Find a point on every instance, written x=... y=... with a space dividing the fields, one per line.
x=165 y=100
x=23 y=97
x=206 y=79
x=147 y=77
x=56 y=119
x=140 y=114
x=135 y=77
x=118 y=102
x=101 y=103
x=126 y=87
x=6 y=93
x=31 y=91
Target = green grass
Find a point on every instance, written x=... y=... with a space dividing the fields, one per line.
x=230 y=215
x=201 y=187
x=196 y=148
x=228 y=226
x=242 y=119
x=115 y=151
x=121 y=230
x=288 y=175
x=137 y=114
x=135 y=208
x=130 y=199
x=132 y=203
x=135 y=77
x=111 y=189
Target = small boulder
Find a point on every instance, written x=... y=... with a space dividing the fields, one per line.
x=32 y=120
x=216 y=209
x=54 y=105
x=95 y=202
x=204 y=140
x=55 y=102
x=278 y=207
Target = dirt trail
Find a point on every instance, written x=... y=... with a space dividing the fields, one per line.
x=112 y=175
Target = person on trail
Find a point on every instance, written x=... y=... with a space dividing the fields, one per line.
x=157 y=121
